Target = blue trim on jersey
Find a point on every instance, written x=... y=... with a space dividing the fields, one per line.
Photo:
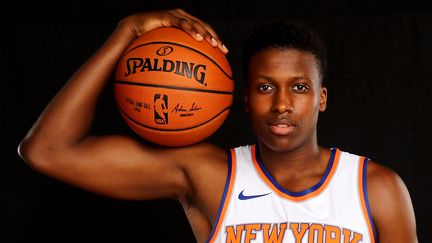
x=222 y=203
x=365 y=195
x=296 y=194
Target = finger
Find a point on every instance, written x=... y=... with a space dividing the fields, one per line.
x=204 y=24
x=188 y=26
x=196 y=28
x=204 y=30
x=202 y=27
x=223 y=48
x=183 y=22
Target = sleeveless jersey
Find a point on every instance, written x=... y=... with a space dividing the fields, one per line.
x=255 y=208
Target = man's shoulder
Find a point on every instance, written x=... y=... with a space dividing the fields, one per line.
x=379 y=176
x=201 y=153
x=374 y=167
x=355 y=155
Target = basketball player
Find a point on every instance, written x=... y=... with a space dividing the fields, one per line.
x=286 y=188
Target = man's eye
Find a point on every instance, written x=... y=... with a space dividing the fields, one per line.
x=301 y=87
x=264 y=87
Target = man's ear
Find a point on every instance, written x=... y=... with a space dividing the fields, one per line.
x=323 y=99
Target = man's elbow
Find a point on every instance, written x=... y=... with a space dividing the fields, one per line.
x=23 y=150
x=32 y=154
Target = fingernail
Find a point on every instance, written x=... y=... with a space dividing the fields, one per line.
x=224 y=48
x=214 y=41
x=199 y=37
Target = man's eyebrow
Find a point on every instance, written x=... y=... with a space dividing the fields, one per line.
x=295 y=77
x=301 y=76
x=263 y=76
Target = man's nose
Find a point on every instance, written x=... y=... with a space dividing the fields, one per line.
x=282 y=102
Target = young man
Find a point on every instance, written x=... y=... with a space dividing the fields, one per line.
x=286 y=188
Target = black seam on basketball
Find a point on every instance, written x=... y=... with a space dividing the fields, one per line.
x=190 y=48
x=172 y=130
x=173 y=87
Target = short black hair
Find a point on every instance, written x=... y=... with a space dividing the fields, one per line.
x=285 y=35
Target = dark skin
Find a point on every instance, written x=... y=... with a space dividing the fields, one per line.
x=284 y=98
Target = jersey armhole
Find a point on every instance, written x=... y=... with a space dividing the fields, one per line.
x=229 y=183
x=365 y=199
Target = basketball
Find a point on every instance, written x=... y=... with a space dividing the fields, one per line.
x=171 y=89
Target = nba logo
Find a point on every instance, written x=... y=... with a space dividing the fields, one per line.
x=161 y=109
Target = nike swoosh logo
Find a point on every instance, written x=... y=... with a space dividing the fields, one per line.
x=241 y=196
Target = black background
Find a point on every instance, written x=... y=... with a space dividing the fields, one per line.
x=379 y=82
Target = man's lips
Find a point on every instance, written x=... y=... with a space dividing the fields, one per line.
x=281 y=127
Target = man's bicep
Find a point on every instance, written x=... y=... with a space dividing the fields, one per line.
x=119 y=167
x=391 y=206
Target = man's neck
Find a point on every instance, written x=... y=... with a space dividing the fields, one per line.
x=296 y=169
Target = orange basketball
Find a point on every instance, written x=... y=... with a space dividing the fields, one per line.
x=171 y=89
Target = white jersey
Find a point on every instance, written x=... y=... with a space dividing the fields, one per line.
x=255 y=208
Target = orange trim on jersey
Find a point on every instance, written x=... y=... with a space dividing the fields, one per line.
x=363 y=202
x=226 y=197
x=296 y=198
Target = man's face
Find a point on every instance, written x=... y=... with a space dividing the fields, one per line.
x=284 y=98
